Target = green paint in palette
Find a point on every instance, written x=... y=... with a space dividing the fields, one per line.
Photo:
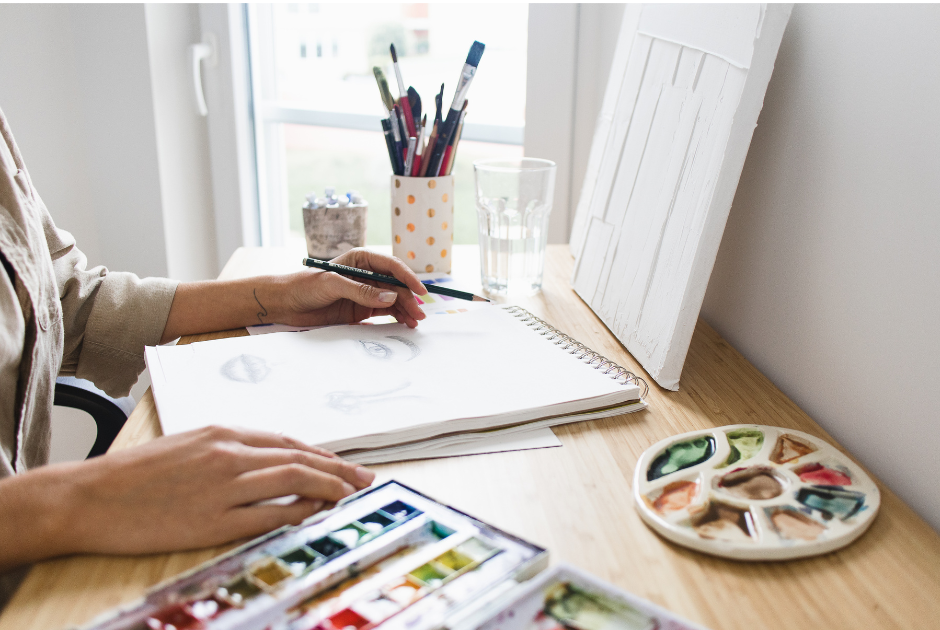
x=745 y=444
x=681 y=455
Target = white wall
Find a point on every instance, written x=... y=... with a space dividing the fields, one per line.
x=828 y=276
x=100 y=100
x=83 y=118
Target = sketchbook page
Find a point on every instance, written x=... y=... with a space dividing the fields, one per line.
x=431 y=304
x=498 y=442
x=346 y=387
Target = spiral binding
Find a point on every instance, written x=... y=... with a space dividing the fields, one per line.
x=575 y=347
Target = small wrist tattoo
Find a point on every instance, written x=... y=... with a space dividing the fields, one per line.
x=263 y=312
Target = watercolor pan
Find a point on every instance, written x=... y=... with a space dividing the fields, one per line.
x=754 y=492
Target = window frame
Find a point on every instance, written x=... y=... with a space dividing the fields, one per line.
x=249 y=175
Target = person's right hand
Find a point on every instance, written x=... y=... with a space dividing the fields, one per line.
x=185 y=491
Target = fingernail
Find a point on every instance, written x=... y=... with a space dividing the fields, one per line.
x=317 y=505
x=387 y=296
x=365 y=475
x=348 y=488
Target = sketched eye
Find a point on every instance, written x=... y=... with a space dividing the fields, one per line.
x=375 y=349
x=415 y=350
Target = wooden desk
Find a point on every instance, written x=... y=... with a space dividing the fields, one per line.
x=576 y=501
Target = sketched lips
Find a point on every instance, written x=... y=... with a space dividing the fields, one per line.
x=246 y=368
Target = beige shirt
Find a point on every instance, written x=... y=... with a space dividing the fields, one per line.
x=57 y=317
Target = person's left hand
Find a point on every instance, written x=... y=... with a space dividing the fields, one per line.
x=317 y=298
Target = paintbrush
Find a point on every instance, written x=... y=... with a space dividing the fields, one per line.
x=457 y=134
x=446 y=162
x=432 y=140
x=384 y=92
x=365 y=274
x=439 y=102
x=402 y=95
x=414 y=99
x=453 y=114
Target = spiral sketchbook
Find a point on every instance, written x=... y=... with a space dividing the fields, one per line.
x=354 y=389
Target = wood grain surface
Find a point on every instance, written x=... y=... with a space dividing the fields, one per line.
x=576 y=500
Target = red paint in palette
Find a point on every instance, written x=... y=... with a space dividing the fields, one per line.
x=175 y=617
x=823 y=476
x=344 y=619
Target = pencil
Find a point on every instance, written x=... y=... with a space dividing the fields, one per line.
x=365 y=274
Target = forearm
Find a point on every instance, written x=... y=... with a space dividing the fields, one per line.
x=212 y=305
x=304 y=298
x=34 y=516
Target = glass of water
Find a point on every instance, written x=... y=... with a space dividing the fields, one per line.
x=514 y=201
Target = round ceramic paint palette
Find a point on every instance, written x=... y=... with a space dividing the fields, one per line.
x=753 y=492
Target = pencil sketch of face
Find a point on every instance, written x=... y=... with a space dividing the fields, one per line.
x=355 y=402
x=375 y=350
x=402 y=350
x=246 y=368
x=408 y=343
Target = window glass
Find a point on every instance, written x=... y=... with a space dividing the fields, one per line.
x=347 y=159
x=324 y=54
x=319 y=58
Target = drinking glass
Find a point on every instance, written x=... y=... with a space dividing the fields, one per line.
x=514 y=202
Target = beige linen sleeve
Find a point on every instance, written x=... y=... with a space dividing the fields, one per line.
x=108 y=317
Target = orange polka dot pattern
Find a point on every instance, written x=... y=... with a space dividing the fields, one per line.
x=417 y=229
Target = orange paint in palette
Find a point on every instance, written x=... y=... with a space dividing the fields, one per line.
x=784 y=497
x=386 y=552
x=675 y=496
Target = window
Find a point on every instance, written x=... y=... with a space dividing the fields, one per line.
x=317 y=108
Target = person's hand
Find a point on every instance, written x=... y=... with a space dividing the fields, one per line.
x=185 y=491
x=314 y=298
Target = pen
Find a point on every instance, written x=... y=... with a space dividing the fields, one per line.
x=416 y=165
x=365 y=274
x=387 y=131
x=412 y=145
x=399 y=166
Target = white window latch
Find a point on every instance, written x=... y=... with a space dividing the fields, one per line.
x=206 y=50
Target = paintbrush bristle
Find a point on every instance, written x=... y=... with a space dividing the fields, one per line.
x=394 y=56
x=383 y=87
x=476 y=51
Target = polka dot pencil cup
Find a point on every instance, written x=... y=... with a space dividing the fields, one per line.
x=423 y=222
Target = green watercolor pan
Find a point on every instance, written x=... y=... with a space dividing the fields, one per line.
x=754 y=492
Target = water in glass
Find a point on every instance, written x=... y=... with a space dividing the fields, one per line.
x=514 y=202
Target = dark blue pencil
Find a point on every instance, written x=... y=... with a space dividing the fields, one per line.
x=365 y=274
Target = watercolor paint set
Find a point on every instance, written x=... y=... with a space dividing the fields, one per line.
x=754 y=492
x=386 y=557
